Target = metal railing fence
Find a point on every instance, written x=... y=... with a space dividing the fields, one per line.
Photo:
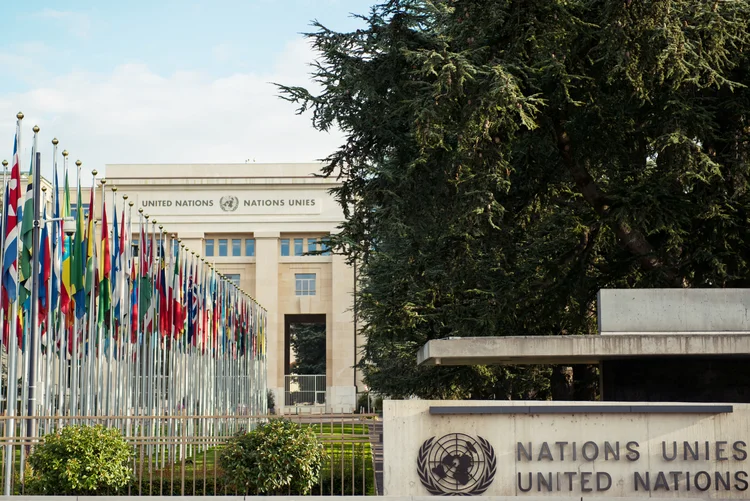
x=304 y=389
x=180 y=455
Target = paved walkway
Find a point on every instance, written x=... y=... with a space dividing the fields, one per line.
x=375 y=429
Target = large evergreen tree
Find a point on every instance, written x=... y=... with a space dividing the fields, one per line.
x=506 y=159
x=309 y=344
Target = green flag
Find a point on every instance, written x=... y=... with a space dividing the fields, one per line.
x=145 y=290
x=27 y=227
x=78 y=258
x=90 y=250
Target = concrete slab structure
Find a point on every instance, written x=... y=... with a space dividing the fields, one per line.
x=643 y=311
x=228 y=205
x=654 y=344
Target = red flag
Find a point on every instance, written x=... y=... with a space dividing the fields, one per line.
x=134 y=304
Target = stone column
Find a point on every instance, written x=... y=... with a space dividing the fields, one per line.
x=267 y=294
x=340 y=344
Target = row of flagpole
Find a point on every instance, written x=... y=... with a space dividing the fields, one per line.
x=97 y=323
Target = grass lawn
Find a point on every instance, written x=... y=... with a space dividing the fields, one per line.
x=347 y=448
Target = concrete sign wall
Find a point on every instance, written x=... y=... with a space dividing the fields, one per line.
x=531 y=449
x=655 y=311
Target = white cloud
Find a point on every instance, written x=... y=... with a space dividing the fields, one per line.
x=77 y=23
x=135 y=115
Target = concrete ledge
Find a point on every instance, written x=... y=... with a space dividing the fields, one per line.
x=521 y=350
x=583 y=409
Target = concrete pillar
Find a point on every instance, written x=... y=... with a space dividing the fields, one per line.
x=267 y=294
x=340 y=344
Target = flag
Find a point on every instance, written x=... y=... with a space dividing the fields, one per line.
x=66 y=291
x=45 y=272
x=192 y=303
x=105 y=267
x=163 y=293
x=118 y=273
x=13 y=214
x=27 y=231
x=177 y=319
x=145 y=285
x=134 y=319
x=91 y=264
x=57 y=244
x=78 y=255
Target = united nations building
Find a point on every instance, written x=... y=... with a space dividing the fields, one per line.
x=266 y=227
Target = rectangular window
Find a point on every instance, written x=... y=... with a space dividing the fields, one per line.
x=210 y=247
x=250 y=247
x=312 y=244
x=74 y=210
x=223 y=243
x=299 y=246
x=234 y=278
x=325 y=245
x=304 y=284
x=236 y=246
x=284 y=246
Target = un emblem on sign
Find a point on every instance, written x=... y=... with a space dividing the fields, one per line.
x=229 y=203
x=456 y=465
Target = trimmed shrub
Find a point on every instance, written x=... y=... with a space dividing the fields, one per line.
x=75 y=460
x=278 y=457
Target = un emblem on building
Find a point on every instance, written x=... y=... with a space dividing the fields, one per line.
x=229 y=203
x=456 y=465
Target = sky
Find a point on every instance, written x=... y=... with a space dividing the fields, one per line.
x=163 y=81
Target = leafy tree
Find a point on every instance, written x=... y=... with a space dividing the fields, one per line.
x=309 y=344
x=506 y=159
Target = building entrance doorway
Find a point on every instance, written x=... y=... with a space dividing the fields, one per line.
x=304 y=360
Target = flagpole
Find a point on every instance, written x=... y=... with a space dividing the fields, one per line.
x=76 y=365
x=142 y=338
x=172 y=352
x=12 y=338
x=62 y=317
x=4 y=327
x=54 y=275
x=128 y=348
x=153 y=338
x=34 y=332
x=47 y=398
x=112 y=390
x=102 y=394
x=63 y=377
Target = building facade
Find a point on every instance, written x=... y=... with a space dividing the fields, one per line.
x=257 y=223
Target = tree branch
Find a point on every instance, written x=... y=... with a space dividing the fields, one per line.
x=629 y=238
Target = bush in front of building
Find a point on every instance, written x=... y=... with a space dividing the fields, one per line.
x=278 y=457
x=81 y=460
